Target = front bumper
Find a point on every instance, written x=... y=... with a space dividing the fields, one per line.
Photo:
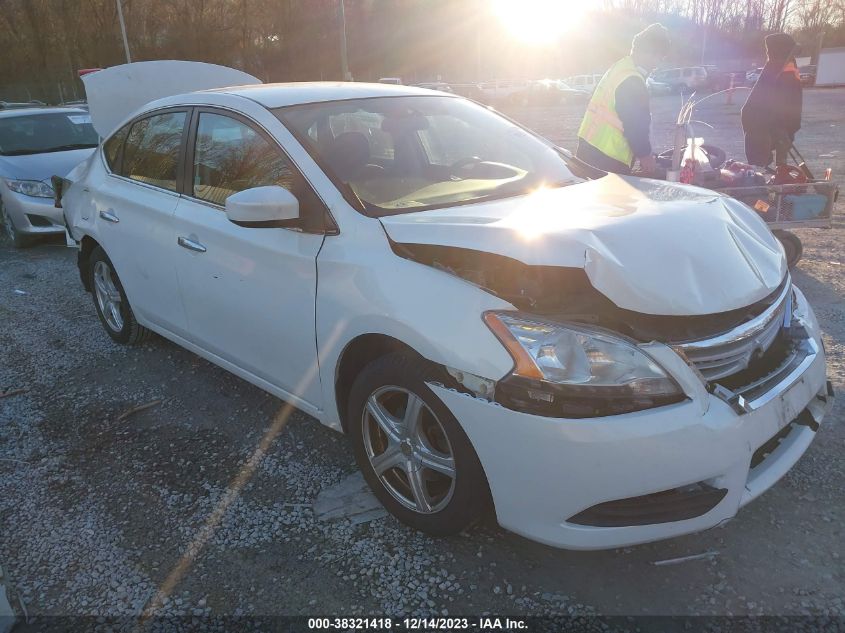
x=33 y=215
x=543 y=472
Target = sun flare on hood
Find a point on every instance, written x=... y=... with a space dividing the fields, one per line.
x=649 y=246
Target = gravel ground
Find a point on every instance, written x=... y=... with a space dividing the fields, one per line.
x=96 y=509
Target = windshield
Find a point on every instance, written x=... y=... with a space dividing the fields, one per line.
x=403 y=154
x=41 y=133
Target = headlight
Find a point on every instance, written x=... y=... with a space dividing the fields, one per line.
x=570 y=370
x=33 y=188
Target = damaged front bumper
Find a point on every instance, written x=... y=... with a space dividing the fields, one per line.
x=33 y=215
x=621 y=480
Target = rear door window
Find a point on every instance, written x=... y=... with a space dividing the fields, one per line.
x=152 y=150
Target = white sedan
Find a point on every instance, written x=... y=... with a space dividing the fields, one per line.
x=602 y=360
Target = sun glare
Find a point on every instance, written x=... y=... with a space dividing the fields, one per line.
x=539 y=21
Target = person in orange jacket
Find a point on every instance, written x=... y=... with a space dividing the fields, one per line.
x=772 y=114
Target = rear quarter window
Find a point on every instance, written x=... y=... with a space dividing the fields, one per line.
x=113 y=148
x=152 y=149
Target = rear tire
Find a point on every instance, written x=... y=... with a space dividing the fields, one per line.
x=792 y=246
x=111 y=303
x=429 y=476
x=18 y=239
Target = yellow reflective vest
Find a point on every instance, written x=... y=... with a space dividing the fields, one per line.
x=602 y=127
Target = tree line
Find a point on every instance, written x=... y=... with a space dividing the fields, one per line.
x=45 y=42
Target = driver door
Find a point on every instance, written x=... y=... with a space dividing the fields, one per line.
x=249 y=293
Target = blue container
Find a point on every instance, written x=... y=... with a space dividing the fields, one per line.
x=806 y=206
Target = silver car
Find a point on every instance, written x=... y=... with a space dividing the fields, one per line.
x=36 y=144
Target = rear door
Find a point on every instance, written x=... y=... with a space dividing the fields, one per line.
x=249 y=293
x=135 y=208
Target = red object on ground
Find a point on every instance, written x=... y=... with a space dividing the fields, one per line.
x=87 y=71
x=788 y=174
x=687 y=175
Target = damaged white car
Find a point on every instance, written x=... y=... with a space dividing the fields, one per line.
x=602 y=360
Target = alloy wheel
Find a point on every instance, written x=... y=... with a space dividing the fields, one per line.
x=408 y=449
x=108 y=296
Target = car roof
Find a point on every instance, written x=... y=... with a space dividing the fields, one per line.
x=13 y=112
x=287 y=94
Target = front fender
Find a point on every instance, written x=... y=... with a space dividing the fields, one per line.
x=368 y=289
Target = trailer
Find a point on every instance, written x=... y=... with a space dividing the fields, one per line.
x=830 y=69
x=790 y=197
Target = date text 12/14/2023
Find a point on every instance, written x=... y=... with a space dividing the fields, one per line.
x=482 y=624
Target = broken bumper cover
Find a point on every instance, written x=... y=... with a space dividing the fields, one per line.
x=547 y=474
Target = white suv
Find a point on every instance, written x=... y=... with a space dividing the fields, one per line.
x=587 y=83
x=603 y=360
x=688 y=78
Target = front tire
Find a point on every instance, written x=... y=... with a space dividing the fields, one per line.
x=111 y=303
x=792 y=246
x=412 y=451
x=18 y=239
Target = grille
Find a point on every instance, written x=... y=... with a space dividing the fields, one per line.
x=732 y=352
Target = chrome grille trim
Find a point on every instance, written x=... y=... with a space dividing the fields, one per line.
x=732 y=351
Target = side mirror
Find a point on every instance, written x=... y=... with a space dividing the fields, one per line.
x=263 y=207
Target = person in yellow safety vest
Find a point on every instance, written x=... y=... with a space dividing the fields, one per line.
x=617 y=125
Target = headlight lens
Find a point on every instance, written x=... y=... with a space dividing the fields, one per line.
x=579 y=371
x=33 y=188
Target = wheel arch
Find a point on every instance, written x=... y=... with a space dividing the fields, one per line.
x=361 y=351
x=86 y=246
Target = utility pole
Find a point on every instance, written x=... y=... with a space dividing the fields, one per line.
x=819 y=46
x=344 y=61
x=123 y=30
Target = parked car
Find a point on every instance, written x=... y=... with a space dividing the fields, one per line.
x=657 y=88
x=717 y=79
x=682 y=79
x=435 y=85
x=547 y=92
x=469 y=90
x=495 y=324
x=394 y=81
x=499 y=91
x=752 y=76
x=807 y=75
x=587 y=83
x=572 y=95
x=35 y=144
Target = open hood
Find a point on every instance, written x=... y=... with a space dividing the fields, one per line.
x=115 y=93
x=648 y=246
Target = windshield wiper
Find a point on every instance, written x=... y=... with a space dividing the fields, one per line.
x=58 y=148
x=66 y=148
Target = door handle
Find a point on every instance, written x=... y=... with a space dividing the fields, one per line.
x=191 y=245
x=109 y=216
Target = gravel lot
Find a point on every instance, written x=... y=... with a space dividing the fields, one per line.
x=96 y=509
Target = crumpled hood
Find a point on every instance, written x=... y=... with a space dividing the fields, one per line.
x=649 y=246
x=42 y=166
